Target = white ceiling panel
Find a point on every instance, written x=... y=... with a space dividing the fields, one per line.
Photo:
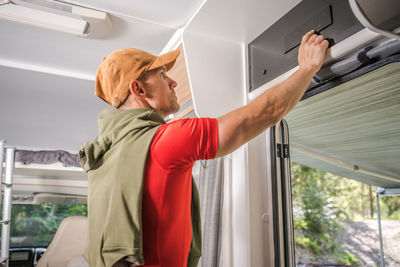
x=45 y=111
x=43 y=47
x=238 y=20
x=172 y=13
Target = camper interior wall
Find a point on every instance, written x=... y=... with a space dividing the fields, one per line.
x=215 y=44
x=260 y=226
x=208 y=59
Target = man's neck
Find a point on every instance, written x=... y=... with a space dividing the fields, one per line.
x=132 y=103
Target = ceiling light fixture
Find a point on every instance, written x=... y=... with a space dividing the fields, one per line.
x=57 y=16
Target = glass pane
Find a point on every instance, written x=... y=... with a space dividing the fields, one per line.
x=34 y=225
x=335 y=221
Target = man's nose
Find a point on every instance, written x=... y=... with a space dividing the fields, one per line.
x=172 y=83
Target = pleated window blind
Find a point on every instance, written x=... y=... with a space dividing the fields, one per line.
x=357 y=122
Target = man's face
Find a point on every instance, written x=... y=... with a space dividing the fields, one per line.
x=161 y=95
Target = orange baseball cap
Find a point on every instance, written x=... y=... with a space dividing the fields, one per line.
x=122 y=66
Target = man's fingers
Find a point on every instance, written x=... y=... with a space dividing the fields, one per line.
x=319 y=39
x=312 y=38
x=307 y=36
x=325 y=43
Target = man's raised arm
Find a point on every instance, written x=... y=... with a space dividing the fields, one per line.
x=243 y=124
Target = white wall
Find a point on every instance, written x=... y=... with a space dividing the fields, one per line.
x=215 y=44
x=210 y=62
x=259 y=230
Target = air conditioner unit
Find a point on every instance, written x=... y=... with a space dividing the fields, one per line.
x=57 y=16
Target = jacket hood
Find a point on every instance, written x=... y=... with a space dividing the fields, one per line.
x=114 y=125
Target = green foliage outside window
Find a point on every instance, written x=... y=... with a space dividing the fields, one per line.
x=316 y=214
x=322 y=202
x=35 y=225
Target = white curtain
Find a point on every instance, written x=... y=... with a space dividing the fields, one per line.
x=209 y=178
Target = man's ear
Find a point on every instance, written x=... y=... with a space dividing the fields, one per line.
x=137 y=88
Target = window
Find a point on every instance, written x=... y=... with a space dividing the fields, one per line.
x=34 y=225
x=335 y=220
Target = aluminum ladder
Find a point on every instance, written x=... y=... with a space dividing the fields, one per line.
x=6 y=188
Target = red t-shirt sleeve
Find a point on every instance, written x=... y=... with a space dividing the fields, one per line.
x=184 y=141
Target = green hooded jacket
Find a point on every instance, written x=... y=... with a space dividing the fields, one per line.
x=115 y=164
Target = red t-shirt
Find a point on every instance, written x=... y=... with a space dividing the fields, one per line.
x=167 y=188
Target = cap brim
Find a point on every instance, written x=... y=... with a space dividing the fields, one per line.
x=167 y=60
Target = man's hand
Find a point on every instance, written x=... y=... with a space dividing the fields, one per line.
x=312 y=51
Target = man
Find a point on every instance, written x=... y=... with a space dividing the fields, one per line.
x=143 y=206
